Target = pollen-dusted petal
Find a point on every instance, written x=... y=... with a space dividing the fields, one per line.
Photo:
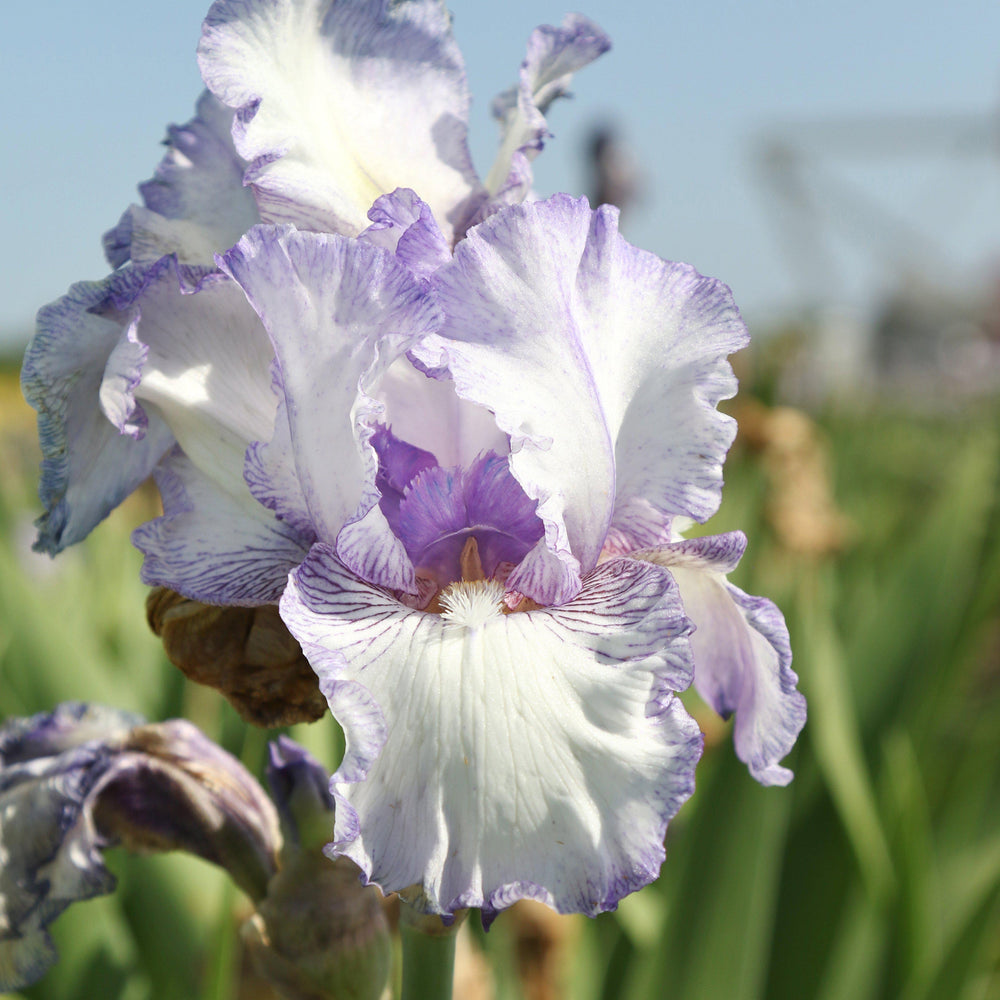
x=742 y=656
x=195 y=204
x=340 y=102
x=535 y=754
x=338 y=313
x=554 y=55
x=88 y=465
x=617 y=398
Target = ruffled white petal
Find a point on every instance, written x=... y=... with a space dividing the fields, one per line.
x=602 y=362
x=198 y=357
x=338 y=312
x=213 y=546
x=492 y=757
x=88 y=466
x=195 y=204
x=340 y=102
x=554 y=55
x=741 y=652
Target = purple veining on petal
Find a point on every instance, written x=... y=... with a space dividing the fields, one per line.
x=553 y=55
x=443 y=508
x=195 y=203
x=401 y=222
x=88 y=466
x=764 y=734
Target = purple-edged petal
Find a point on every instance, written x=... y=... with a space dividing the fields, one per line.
x=404 y=224
x=602 y=362
x=197 y=356
x=338 y=312
x=195 y=204
x=213 y=546
x=492 y=757
x=88 y=466
x=554 y=55
x=742 y=656
x=340 y=102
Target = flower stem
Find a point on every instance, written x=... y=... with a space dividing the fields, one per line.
x=428 y=954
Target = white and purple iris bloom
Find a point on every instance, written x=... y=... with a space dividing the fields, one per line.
x=453 y=435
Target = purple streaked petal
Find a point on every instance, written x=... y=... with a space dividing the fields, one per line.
x=404 y=224
x=213 y=546
x=88 y=467
x=338 y=312
x=195 y=204
x=479 y=782
x=554 y=55
x=617 y=399
x=741 y=652
x=339 y=103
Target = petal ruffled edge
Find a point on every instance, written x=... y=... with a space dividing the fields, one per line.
x=623 y=640
x=742 y=653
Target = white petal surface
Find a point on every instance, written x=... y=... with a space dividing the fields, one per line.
x=602 y=362
x=340 y=101
x=339 y=312
x=741 y=652
x=200 y=359
x=428 y=413
x=213 y=546
x=534 y=754
x=195 y=204
x=88 y=466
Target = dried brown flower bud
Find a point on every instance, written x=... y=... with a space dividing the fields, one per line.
x=246 y=653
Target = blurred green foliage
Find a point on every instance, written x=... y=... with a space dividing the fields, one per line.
x=874 y=876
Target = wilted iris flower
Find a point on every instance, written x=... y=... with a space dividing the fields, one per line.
x=457 y=444
x=83 y=778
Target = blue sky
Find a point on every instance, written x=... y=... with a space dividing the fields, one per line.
x=691 y=87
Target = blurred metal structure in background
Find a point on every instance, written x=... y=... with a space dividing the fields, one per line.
x=929 y=326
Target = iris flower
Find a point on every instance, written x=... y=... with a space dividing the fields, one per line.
x=457 y=444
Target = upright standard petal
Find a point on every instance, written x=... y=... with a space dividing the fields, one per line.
x=602 y=362
x=340 y=101
x=339 y=312
x=492 y=757
x=195 y=204
x=88 y=465
x=742 y=656
x=554 y=55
